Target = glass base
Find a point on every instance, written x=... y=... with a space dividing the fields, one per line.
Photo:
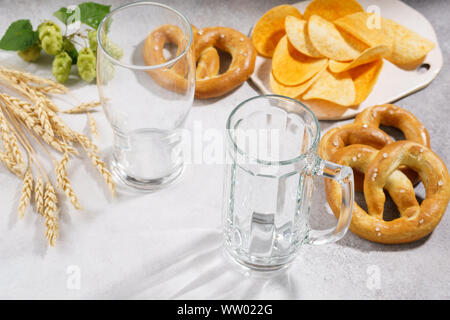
x=259 y=264
x=145 y=184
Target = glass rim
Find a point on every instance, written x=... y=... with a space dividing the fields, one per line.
x=152 y=67
x=278 y=162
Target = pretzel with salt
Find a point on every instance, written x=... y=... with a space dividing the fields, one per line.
x=381 y=170
x=209 y=83
x=349 y=134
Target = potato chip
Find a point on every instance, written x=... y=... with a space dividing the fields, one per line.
x=331 y=9
x=293 y=91
x=367 y=27
x=291 y=67
x=369 y=55
x=364 y=78
x=297 y=34
x=333 y=44
x=409 y=48
x=334 y=87
x=270 y=28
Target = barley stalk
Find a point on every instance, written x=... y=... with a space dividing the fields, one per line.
x=63 y=181
x=26 y=193
x=51 y=213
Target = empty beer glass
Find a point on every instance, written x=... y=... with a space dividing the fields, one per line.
x=271 y=165
x=146 y=99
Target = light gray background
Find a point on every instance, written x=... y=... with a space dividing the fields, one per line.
x=168 y=244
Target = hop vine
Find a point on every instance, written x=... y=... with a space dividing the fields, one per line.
x=77 y=49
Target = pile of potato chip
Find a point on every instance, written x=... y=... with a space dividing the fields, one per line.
x=334 y=51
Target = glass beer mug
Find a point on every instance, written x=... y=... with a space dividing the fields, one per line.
x=271 y=162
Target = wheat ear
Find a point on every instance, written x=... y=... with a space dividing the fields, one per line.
x=98 y=164
x=43 y=117
x=31 y=117
x=63 y=181
x=26 y=193
x=10 y=141
x=21 y=109
x=83 y=107
x=92 y=125
x=17 y=169
x=39 y=195
x=51 y=213
x=47 y=85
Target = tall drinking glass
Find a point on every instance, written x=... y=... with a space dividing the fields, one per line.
x=145 y=111
x=271 y=165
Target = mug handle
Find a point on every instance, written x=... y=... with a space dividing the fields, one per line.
x=344 y=176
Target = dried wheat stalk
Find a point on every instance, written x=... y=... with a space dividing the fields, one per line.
x=98 y=164
x=10 y=141
x=51 y=213
x=64 y=182
x=18 y=170
x=33 y=116
x=31 y=120
x=83 y=107
x=44 y=84
x=92 y=125
x=26 y=193
x=39 y=195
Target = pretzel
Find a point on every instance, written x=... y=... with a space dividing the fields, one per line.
x=171 y=77
x=348 y=134
x=209 y=83
x=208 y=64
x=393 y=116
x=340 y=137
x=381 y=172
x=243 y=56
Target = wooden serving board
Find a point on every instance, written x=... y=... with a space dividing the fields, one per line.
x=393 y=83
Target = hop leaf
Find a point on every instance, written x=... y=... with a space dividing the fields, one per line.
x=19 y=36
x=91 y=13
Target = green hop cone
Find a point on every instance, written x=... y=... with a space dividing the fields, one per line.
x=86 y=64
x=61 y=66
x=113 y=49
x=31 y=54
x=106 y=69
x=50 y=37
x=69 y=47
x=92 y=36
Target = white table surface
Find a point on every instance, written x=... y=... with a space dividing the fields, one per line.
x=168 y=244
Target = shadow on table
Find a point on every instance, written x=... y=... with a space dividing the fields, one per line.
x=353 y=241
x=201 y=270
